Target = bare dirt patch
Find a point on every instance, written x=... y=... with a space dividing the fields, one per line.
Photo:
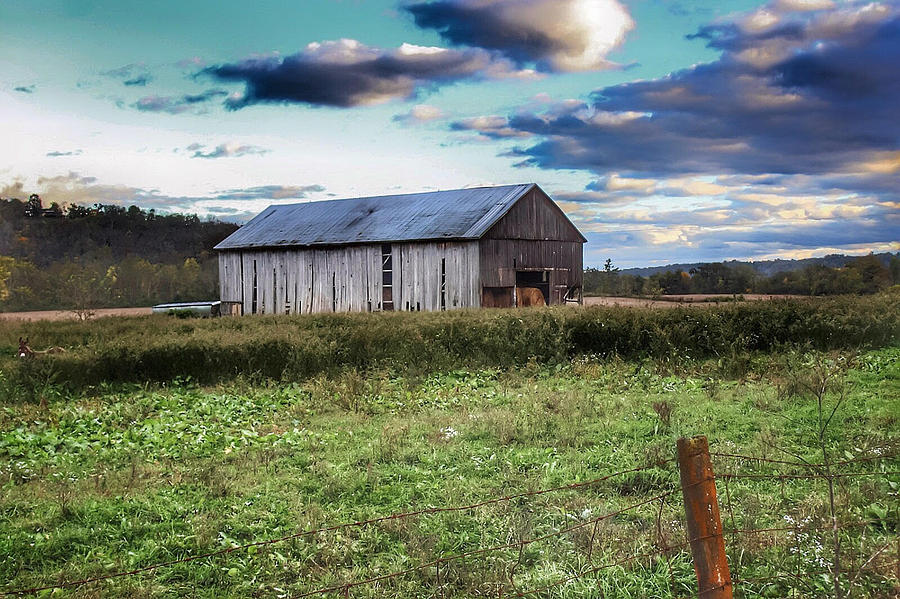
x=71 y=315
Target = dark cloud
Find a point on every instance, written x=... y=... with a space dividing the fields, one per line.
x=814 y=93
x=57 y=153
x=347 y=73
x=25 y=89
x=554 y=35
x=177 y=104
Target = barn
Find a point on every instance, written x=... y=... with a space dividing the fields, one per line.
x=501 y=246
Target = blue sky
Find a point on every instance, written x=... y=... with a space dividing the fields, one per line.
x=668 y=130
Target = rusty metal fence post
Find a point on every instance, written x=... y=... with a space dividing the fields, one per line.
x=701 y=510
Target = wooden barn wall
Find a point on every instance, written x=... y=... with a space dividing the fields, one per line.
x=229 y=277
x=536 y=217
x=349 y=278
x=501 y=258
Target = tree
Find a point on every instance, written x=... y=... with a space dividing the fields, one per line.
x=85 y=288
x=875 y=276
x=6 y=266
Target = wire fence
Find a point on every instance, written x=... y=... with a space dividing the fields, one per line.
x=859 y=549
x=830 y=549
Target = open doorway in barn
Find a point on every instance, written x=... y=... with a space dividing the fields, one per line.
x=532 y=288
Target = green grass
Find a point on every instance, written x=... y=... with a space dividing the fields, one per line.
x=122 y=476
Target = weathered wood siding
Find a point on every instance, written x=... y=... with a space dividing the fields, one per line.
x=501 y=258
x=534 y=235
x=349 y=278
x=229 y=273
x=535 y=217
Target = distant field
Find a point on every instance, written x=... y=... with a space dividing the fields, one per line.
x=667 y=302
x=72 y=315
x=671 y=301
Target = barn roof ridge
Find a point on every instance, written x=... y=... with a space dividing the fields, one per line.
x=400 y=196
x=454 y=214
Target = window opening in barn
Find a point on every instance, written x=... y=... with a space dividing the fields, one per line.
x=387 y=278
x=253 y=305
x=443 y=283
x=333 y=293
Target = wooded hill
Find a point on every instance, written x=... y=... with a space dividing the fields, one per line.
x=763 y=267
x=850 y=275
x=104 y=255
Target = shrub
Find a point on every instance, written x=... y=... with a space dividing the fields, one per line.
x=159 y=348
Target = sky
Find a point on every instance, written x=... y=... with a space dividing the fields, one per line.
x=667 y=130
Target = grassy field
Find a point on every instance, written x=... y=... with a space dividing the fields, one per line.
x=112 y=476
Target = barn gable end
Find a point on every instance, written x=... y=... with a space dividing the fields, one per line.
x=535 y=216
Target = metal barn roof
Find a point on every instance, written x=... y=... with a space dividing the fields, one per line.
x=454 y=214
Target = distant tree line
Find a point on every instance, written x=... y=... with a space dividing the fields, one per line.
x=865 y=274
x=104 y=256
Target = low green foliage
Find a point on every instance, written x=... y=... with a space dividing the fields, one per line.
x=291 y=348
x=125 y=475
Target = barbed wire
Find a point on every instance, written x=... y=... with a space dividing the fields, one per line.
x=662 y=546
x=818 y=572
x=732 y=475
x=797 y=528
x=333 y=528
x=810 y=471
x=458 y=556
x=596 y=569
x=813 y=465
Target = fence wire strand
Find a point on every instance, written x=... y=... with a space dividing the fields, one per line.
x=474 y=552
x=334 y=528
x=812 y=471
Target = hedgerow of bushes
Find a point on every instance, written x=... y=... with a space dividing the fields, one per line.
x=160 y=349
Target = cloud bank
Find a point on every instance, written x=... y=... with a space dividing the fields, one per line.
x=808 y=92
x=492 y=39
x=787 y=143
